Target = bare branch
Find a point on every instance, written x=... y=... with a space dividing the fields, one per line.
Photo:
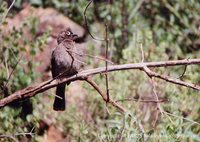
x=86 y=23
x=148 y=72
x=180 y=117
x=95 y=86
x=143 y=101
x=172 y=80
x=106 y=74
x=41 y=87
x=91 y=56
x=13 y=136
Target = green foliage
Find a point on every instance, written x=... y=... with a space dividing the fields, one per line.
x=176 y=22
x=18 y=71
x=2 y=10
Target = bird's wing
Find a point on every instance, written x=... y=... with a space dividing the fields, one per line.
x=53 y=66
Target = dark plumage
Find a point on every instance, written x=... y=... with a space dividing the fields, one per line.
x=65 y=60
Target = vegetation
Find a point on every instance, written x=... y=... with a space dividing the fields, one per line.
x=165 y=29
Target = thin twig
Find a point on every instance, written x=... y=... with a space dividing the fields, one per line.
x=148 y=72
x=91 y=56
x=185 y=68
x=106 y=73
x=2 y=20
x=173 y=80
x=144 y=101
x=86 y=23
x=13 y=136
x=155 y=93
x=95 y=86
x=180 y=117
x=13 y=70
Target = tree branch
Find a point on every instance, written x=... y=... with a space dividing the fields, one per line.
x=172 y=80
x=104 y=96
x=83 y=75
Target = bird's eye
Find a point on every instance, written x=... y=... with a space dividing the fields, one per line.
x=68 y=33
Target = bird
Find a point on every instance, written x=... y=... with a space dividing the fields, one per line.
x=65 y=62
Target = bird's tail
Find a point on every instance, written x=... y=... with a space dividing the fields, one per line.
x=59 y=102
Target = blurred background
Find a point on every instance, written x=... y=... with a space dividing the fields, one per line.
x=165 y=29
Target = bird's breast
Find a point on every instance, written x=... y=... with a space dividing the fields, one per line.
x=65 y=61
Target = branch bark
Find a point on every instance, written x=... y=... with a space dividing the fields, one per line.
x=104 y=96
x=83 y=75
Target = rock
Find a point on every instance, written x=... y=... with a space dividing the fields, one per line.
x=48 y=18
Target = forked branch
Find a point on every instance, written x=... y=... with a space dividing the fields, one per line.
x=83 y=75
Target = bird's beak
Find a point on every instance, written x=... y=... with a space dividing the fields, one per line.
x=74 y=36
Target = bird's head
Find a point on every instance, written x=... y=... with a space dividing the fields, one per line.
x=66 y=34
